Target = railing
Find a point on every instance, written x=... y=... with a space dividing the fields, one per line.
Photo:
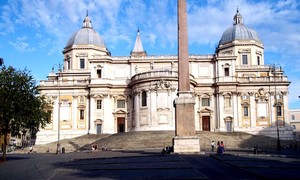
x=152 y=74
x=64 y=83
x=252 y=79
x=248 y=67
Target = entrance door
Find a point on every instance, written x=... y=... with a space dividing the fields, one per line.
x=229 y=126
x=99 y=128
x=205 y=123
x=121 y=124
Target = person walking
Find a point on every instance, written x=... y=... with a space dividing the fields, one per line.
x=212 y=145
x=222 y=147
x=218 y=147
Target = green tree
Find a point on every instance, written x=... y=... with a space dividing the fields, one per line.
x=21 y=107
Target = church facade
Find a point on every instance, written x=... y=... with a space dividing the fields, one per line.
x=98 y=93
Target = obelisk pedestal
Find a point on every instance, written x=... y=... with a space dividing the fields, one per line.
x=185 y=140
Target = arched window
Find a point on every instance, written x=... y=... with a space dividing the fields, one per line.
x=246 y=111
x=226 y=71
x=144 y=99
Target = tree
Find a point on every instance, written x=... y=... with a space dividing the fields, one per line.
x=21 y=107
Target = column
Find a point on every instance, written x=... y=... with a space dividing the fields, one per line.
x=221 y=109
x=235 y=111
x=253 y=114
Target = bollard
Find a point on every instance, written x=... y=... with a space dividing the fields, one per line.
x=63 y=150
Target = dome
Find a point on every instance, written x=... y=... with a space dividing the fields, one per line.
x=86 y=36
x=238 y=31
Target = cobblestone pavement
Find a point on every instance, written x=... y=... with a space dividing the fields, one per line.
x=150 y=164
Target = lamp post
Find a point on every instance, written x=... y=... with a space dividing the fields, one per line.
x=273 y=68
x=58 y=118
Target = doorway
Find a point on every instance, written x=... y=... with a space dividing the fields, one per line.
x=229 y=126
x=121 y=124
x=99 y=127
x=205 y=123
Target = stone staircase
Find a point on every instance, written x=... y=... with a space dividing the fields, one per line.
x=70 y=145
x=135 y=140
x=238 y=140
x=158 y=140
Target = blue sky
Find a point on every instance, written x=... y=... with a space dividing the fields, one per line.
x=33 y=33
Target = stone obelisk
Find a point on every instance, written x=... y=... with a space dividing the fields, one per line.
x=185 y=140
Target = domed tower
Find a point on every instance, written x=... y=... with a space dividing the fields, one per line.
x=84 y=44
x=241 y=41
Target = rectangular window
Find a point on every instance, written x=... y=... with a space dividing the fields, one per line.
x=81 y=114
x=244 y=59
x=279 y=113
x=133 y=98
x=245 y=111
x=258 y=60
x=99 y=73
x=144 y=98
x=81 y=63
x=205 y=102
x=227 y=102
x=99 y=104
x=226 y=70
x=293 y=117
x=120 y=103
x=68 y=64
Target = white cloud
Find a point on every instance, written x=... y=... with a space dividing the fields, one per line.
x=21 y=45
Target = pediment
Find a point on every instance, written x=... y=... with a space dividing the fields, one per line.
x=120 y=112
x=206 y=110
x=98 y=121
x=228 y=118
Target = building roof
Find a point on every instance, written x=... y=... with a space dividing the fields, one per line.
x=86 y=35
x=238 y=31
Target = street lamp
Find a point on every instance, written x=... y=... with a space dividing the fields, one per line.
x=273 y=69
x=58 y=118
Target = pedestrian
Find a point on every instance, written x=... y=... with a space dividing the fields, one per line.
x=222 y=147
x=212 y=145
x=218 y=147
x=30 y=149
x=93 y=147
x=96 y=146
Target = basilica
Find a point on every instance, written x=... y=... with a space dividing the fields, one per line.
x=97 y=93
